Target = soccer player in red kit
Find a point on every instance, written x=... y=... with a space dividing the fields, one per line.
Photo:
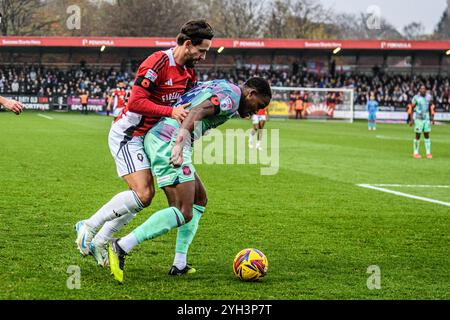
x=259 y=120
x=117 y=100
x=160 y=80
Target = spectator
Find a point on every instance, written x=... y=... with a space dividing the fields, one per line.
x=84 y=101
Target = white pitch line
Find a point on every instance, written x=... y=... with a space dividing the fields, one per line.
x=391 y=138
x=44 y=116
x=401 y=194
x=409 y=185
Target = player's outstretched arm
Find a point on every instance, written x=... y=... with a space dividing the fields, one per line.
x=205 y=109
x=12 y=105
x=432 y=113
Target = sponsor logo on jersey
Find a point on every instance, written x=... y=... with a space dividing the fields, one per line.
x=226 y=104
x=151 y=75
x=172 y=97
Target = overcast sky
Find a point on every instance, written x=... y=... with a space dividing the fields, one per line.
x=398 y=12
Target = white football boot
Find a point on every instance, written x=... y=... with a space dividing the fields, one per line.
x=85 y=234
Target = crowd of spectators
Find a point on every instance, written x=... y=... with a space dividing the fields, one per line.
x=390 y=90
x=51 y=82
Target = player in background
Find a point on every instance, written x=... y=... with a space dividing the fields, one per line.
x=117 y=100
x=298 y=106
x=409 y=113
x=169 y=147
x=423 y=111
x=160 y=80
x=372 y=109
x=12 y=105
x=84 y=95
x=259 y=120
x=107 y=99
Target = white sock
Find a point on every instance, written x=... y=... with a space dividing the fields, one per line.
x=180 y=260
x=109 y=228
x=252 y=136
x=121 y=204
x=128 y=242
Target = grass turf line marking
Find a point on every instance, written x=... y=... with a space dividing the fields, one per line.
x=409 y=185
x=44 y=116
x=391 y=138
x=401 y=194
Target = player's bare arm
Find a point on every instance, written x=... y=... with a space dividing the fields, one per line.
x=111 y=97
x=411 y=115
x=203 y=110
x=432 y=113
x=12 y=105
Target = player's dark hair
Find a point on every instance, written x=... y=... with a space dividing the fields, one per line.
x=196 y=31
x=261 y=85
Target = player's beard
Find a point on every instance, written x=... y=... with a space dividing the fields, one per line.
x=191 y=63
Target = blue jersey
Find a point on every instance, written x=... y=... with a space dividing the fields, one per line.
x=229 y=96
x=372 y=106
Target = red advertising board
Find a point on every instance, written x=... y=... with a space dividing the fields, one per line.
x=226 y=43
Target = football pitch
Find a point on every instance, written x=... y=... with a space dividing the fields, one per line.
x=337 y=209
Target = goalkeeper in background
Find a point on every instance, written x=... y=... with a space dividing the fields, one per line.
x=372 y=109
x=422 y=117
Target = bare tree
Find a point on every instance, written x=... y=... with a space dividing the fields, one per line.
x=276 y=20
x=443 y=28
x=298 y=19
x=24 y=17
x=145 y=18
x=414 y=31
x=357 y=26
x=235 y=19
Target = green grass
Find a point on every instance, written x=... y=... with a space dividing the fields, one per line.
x=319 y=230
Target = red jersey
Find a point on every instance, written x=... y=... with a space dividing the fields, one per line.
x=120 y=95
x=159 y=82
x=261 y=112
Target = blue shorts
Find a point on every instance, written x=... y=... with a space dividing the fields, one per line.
x=372 y=116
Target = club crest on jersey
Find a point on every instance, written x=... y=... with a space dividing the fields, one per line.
x=140 y=157
x=151 y=75
x=226 y=104
x=186 y=171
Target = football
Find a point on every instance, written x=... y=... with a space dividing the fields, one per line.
x=250 y=265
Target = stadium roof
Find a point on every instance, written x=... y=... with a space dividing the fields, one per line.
x=81 y=42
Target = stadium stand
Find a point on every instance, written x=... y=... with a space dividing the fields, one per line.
x=392 y=90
